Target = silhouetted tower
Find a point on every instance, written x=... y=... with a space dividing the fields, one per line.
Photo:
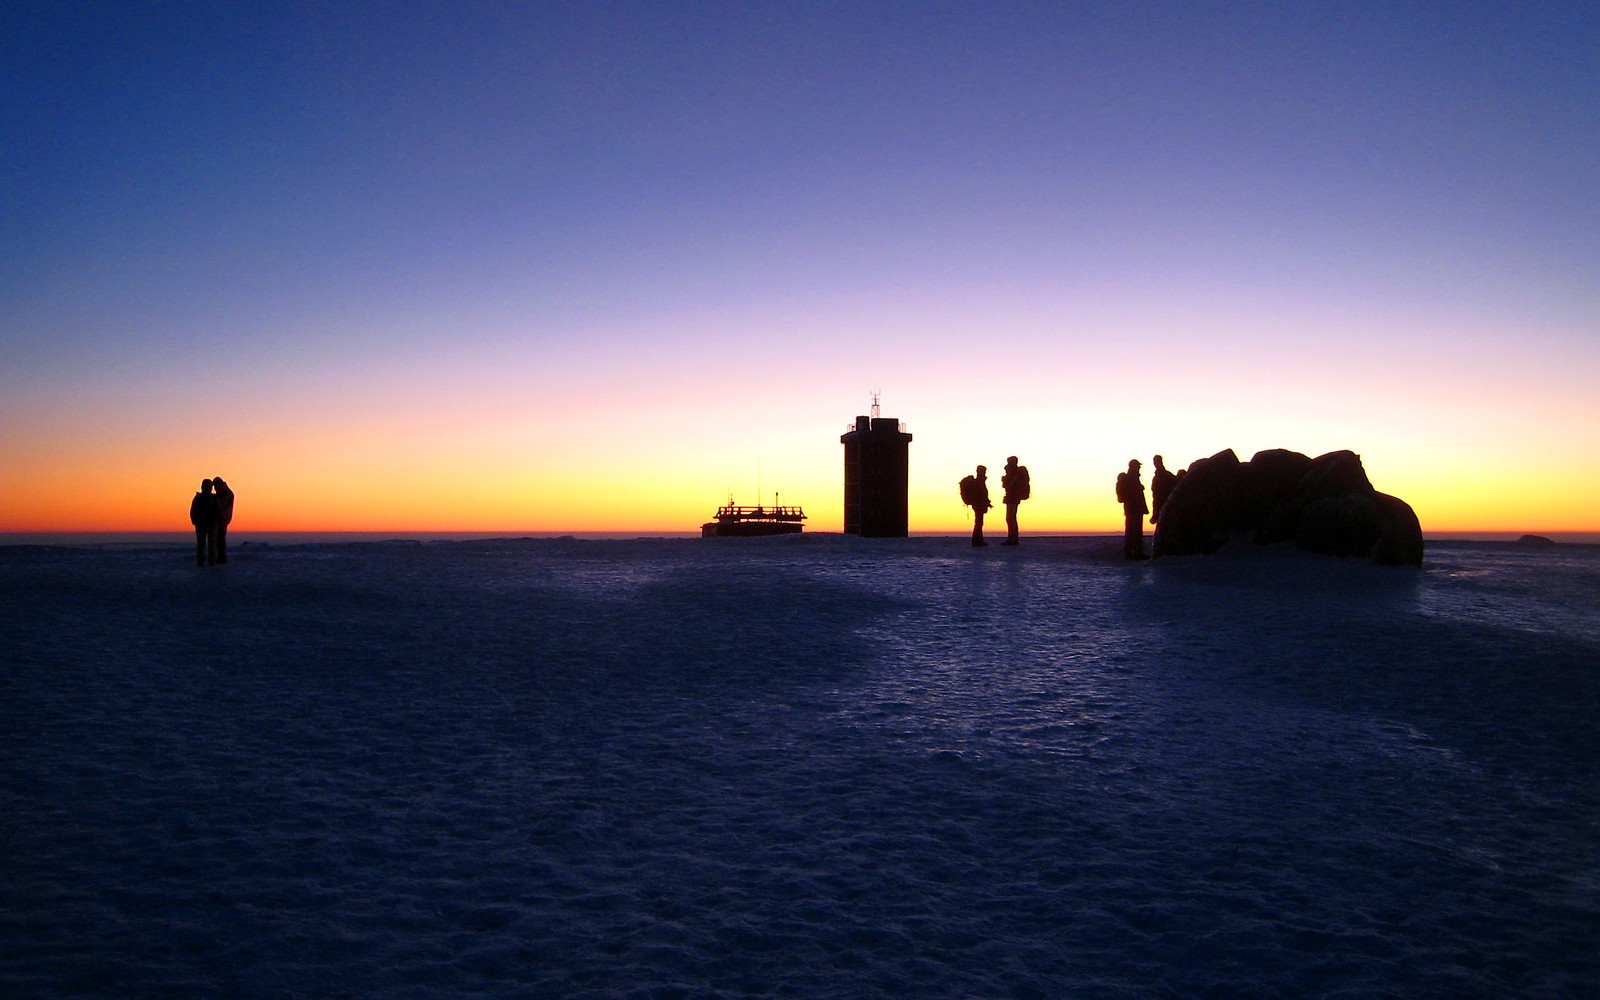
x=877 y=464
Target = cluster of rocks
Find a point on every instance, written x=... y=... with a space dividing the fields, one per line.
x=1323 y=505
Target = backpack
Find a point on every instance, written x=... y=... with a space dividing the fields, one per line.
x=1017 y=485
x=1122 y=487
x=971 y=492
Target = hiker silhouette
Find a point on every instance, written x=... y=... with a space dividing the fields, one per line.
x=1017 y=489
x=975 y=494
x=1130 y=493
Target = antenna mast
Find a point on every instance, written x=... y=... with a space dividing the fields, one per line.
x=876 y=412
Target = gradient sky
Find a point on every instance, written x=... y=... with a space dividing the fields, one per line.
x=584 y=267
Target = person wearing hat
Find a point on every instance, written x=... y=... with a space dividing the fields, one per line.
x=1130 y=493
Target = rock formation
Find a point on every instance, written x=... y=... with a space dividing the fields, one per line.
x=1324 y=505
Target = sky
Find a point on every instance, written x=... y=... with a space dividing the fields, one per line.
x=548 y=267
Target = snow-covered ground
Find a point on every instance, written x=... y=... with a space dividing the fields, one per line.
x=814 y=766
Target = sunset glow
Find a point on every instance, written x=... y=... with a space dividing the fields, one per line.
x=554 y=268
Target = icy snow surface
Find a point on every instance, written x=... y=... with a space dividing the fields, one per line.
x=814 y=766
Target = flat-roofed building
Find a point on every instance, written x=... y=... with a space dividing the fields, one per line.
x=877 y=464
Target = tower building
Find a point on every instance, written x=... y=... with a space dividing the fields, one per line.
x=876 y=476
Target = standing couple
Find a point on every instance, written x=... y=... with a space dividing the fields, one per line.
x=975 y=494
x=210 y=512
x=1130 y=493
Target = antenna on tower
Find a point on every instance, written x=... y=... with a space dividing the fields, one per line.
x=875 y=411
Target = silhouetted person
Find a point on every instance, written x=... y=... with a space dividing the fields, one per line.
x=1017 y=489
x=1130 y=493
x=975 y=494
x=1161 y=484
x=224 y=517
x=205 y=514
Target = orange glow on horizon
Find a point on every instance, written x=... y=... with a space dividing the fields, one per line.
x=561 y=475
x=506 y=505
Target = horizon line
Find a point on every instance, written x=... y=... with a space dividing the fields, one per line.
x=1442 y=534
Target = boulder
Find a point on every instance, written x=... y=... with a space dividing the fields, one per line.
x=1335 y=473
x=1345 y=524
x=1401 y=542
x=1325 y=505
x=1278 y=472
x=1272 y=478
x=1203 y=507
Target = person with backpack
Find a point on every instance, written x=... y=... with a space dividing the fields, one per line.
x=975 y=494
x=1130 y=493
x=1017 y=489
